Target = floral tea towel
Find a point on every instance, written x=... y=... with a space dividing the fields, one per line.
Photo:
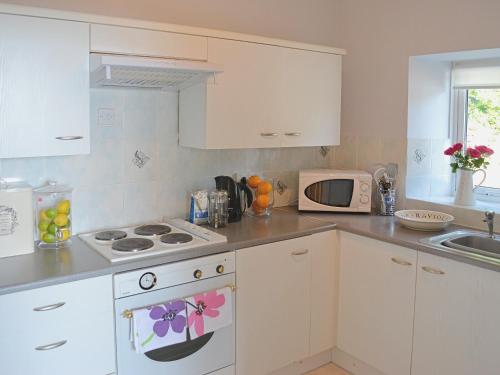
x=160 y=325
x=208 y=312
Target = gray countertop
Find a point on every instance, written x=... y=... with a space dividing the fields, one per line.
x=387 y=229
x=78 y=261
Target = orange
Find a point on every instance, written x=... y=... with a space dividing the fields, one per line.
x=264 y=187
x=253 y=181
x=263 y=201
x=256 y=208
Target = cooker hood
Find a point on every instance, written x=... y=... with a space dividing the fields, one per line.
x=147 y=72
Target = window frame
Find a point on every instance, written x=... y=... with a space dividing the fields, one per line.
x=459 y=118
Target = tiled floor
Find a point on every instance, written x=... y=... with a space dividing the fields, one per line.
x=328 y=370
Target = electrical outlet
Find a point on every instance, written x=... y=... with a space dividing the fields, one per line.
x=106 y=116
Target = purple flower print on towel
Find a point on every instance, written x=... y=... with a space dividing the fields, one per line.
x=168 y=316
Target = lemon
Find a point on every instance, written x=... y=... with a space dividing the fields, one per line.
x=43 y=215
x=43 y=225
x=63 y=234
x=48 y=238
x=41 y=235
x=63 y=207
x=51 y=213
x=61 y=220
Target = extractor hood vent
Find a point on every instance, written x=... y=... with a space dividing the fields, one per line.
x=145 y=72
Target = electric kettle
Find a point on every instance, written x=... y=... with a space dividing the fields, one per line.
x=239 y=195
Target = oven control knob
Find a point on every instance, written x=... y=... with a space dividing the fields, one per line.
x=364 y=199
x=364 y=187
x=220 y=268
x=147 y=281
x=197 y=274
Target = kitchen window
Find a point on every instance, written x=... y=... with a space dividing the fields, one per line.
x=476 y=120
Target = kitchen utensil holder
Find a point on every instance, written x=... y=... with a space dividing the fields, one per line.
x=387 y=201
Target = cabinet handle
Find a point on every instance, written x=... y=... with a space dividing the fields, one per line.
x=49 y=307
x=401 y=262
x=434 y=271
x=301 y=252
x=69 y=138
x=269 y=134
x=294 y=134
x=51 y=346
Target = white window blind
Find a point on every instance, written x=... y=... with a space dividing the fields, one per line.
x=476 y=74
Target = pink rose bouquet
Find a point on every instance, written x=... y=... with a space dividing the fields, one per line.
x=473 y=158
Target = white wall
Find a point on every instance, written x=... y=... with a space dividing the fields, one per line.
x=429 y=91
x=380 y=36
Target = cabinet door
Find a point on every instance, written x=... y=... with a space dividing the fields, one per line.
x=456 y=319
x=241 y=102
x=376 y=301
x=44 y=87
x=307 y=108
x=272 y=306
x=324 y=288
x=141 y=42
x=78 y=316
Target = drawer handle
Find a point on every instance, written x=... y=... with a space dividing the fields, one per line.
x=434 y=271
x=401 y=262
x=302 y=252
x=69 y=138
x=49 y=307
x=269 y=134
x=294 y=134
x=51 y=346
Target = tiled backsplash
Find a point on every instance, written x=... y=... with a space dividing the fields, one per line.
x=111 y=190
x=429 y=172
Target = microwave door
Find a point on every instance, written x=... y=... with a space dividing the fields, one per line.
x=334 y=192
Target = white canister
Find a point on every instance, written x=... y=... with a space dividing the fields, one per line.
x=16 y=218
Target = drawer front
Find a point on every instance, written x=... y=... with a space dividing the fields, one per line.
x=140 y=42
x=48 y=330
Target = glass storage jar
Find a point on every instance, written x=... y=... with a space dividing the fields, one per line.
x=53 y=215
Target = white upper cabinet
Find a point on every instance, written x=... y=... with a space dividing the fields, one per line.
x=44 y=87
x=267 y=96
x=376 y=302
x=142 y=42
x=456 y=319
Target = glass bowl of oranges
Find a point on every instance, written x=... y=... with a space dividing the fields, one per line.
x=263 y=195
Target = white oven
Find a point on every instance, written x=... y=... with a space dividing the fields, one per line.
x=212 y=353
x=335 y=190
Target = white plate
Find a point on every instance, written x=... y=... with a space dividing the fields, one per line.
x=424 y=219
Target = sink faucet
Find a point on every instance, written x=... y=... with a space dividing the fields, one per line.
x=489 y=219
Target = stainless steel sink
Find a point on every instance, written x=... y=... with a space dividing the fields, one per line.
x=476 y=245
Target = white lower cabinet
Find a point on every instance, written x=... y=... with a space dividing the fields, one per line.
x=457 y=330
x=274 y=303
x=376 y=303
x=59 y=330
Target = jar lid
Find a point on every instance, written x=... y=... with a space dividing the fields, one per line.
x=14 y=184
x=53 y=187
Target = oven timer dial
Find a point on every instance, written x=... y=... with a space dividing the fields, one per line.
x=147 y=281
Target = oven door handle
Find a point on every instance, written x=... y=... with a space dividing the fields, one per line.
x=129 y=314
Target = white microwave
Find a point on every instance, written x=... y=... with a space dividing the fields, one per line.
x=335 y=190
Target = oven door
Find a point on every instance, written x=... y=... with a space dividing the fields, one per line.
x=335 y=192
x=203 y=355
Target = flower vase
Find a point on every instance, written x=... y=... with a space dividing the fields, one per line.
x=464 y=196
